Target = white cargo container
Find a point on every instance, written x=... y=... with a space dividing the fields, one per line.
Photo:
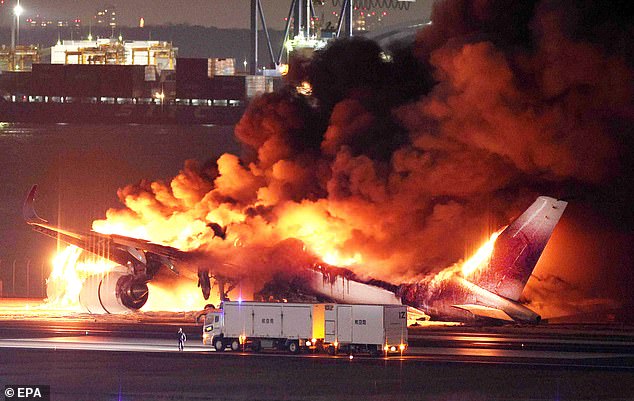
x=365 y=328
x=256 y=325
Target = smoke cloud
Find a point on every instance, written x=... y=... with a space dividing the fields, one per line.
x=402 y=162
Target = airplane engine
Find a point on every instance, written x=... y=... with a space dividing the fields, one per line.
x=113 y=292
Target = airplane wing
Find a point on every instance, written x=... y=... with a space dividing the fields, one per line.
x=142 y=258
x=485 y=311
x=117 y=248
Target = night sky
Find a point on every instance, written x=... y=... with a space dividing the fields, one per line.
x=221 y=14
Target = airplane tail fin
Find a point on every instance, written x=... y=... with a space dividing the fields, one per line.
x=518 y=248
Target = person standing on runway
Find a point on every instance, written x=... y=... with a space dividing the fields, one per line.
x=181 y=339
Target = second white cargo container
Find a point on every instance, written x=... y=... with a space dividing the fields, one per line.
x=365 y=328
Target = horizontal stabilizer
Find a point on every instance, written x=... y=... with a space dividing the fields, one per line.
x=415 y=315
x=485 y=311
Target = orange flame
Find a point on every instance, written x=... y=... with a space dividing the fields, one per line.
x=481 y=257
x=322 y=234
x=69 y=272
x=67 y=276
x=478 y=261
x=184 y=297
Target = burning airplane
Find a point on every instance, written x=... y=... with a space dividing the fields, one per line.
x=487 y=286
x=364 y=189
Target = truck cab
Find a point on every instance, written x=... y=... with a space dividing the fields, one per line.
x=259 y=325
x=212 y=327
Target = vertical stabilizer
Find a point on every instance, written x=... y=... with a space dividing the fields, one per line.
x=519 y=247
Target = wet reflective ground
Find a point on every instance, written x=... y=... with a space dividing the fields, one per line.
x=87 y=374
x=135 y=357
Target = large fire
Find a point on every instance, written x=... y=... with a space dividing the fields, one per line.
x=70 y=270
x=472 y=265
x=68 y=274
x=70 y=267
x=390 y=167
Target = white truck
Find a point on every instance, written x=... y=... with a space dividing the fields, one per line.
x=294 y=327
x=374 y=329
x=257 y=325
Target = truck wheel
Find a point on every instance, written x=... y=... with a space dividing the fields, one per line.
x=219 y=345
x=374 y=351
x=256 y=346
x=235 y=345
x=331 y=350
x=293 y=347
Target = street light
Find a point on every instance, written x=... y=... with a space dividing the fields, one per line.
x=17 y=11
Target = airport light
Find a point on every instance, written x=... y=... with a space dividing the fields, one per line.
x=17 y=11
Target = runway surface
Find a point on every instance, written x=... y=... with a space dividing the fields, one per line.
x=194 y=375
x=86 y=357
x=476 y=350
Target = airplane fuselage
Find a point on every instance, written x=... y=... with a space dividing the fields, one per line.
x=458 y=299
x=454 y=299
